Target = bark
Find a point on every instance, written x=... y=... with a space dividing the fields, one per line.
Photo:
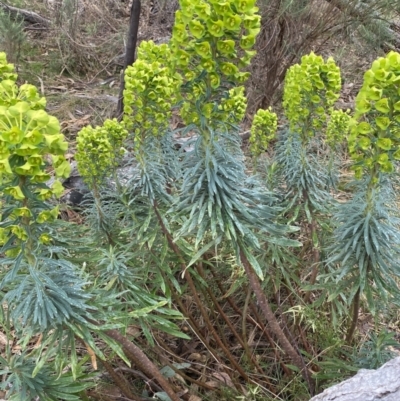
x=130 y=52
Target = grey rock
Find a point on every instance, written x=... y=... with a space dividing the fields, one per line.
x=77 y=189
x=382 y=384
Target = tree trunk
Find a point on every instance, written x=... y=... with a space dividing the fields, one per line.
x=129 y=52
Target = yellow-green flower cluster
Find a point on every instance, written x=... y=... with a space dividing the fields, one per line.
x=6 y=69
x=233 y=107
x=211 y=42
x=338 y=127
x=311 y=88
x=31 y=145
x=263 y=130
x=16 y=224
x=28 y=137
x=375 y=131
x=117 y=134
x=98 y=150
x=151 y=90
x=214 y=35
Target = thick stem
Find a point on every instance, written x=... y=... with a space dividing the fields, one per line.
x=273 y=322
x=354 y=320
x=143 y=362
x=188 y=277
x=120 y=381
x=255 y=322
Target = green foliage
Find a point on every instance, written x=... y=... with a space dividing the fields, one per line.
x=371 y=352
x=367 y=244
x=376 y=350
x=23 y=385
x=12 y=35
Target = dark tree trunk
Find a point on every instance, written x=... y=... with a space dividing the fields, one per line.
x=130 y=52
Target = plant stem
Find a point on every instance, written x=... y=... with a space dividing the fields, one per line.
x=120 y=381
x=315 y=251
x=191 y=320
x=255 y=322
x=242 y=340
x=143 y=362
x=192 y=287
x=211 y=328
x=273 y=322
x=316 y=255
x=101 y=215
x=354 y=320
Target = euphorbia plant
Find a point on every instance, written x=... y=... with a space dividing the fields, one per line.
x=365 y=253
x=218 y=202
x=41 y=292
x=311 y=89
x=45 y=293
x=98 y=152
x=214 y=202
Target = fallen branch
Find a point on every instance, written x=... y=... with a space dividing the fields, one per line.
x=28 y=16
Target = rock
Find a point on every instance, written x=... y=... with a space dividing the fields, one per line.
x=76 y=189
x=382 y=384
